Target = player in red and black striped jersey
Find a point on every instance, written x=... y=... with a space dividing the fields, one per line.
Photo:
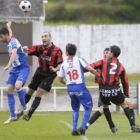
x=98 y=113
x=111 y=71
x=49 y=58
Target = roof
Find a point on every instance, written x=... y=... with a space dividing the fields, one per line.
x=9 y=10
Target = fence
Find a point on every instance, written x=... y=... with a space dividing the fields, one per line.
x=59 y=100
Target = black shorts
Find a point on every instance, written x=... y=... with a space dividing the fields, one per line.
x=43 y=81
x=100 y=103
x=111 y=94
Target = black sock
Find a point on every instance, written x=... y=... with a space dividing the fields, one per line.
x=128 y=115
x=27 y=98
x=132 y=115
x=94 y=117
x=108 y=117
x=34 y=106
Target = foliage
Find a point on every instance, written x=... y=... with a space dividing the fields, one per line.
x=118 y=11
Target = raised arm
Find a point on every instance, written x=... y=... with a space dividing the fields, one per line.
x=9 y=27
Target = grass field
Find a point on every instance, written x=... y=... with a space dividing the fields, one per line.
x=56 y=126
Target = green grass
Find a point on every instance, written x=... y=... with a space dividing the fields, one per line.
x=48 y=126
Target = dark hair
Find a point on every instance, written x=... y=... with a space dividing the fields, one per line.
x=106 y=49
x=71 y=49
x=4 y=31
x=48 y=33
x=115 y=50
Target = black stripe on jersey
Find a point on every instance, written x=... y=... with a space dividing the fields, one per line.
x=108 y=70
x=117 y=70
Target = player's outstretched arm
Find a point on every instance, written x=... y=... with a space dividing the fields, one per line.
x=93 y=71
x=62 y=80
x=26 y=49
x=9 y=28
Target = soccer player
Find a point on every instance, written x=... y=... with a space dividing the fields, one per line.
x=50 y=58
x=97 y=114
x=19 y=72
x=72 y=74
x=111 y=71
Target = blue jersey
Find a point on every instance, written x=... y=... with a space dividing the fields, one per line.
x=21 y=55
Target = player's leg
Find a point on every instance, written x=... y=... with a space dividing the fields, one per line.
x=86 y=100
x=44 y=86
x=97 y=114
x=107 y=113
x=75 y=114
x=108 y=116
x=10 y=95
x=21 y=80
x=130 y=105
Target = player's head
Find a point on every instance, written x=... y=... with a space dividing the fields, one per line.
x=71 y=49
x=4 y=34
x=106 y=52
x=114 y=51
x=46 y=38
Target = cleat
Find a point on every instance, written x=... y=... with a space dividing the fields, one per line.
x=81 y=131
x=75 y=133
x=21 y=114
x=11 y=119
x=20 y=109
x=114 y=129
x=135 y=129
x=26 y=117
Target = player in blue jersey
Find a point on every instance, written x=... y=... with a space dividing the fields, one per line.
x=71 y=74
x=19 y=72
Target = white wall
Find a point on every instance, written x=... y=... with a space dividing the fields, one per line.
x=37 y=30
x=92 y=39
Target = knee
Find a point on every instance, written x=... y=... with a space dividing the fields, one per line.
x=10 y=90
x=18 y=87
x=101 y=110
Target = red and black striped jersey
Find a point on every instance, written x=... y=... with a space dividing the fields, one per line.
x=111 y=71
x=47 y=57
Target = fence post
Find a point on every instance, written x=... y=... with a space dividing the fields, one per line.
x=138 y=98
x=1 y=98
x=54 y=99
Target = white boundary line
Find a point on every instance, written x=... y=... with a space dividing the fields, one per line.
x=68 y=125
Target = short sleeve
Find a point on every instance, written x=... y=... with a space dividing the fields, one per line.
x=61 y=72
x=83 y=62
x=14 y=43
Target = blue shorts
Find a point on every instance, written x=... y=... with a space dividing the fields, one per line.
x=79 y=94
x=19 y=73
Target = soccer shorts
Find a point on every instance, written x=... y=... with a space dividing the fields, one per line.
x=19 y=73
x=79 y=94
x=100 y=103
x=111 y=94
x=42 y=81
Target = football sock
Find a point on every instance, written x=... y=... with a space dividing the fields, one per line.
x=75 y=117
x=21 y=95
x=86 y=117
x=11 y=103
x=94 y=117
x=108 y=117
x=27 y=98
x=128 y=115
x=34 y=106
x=132 y=115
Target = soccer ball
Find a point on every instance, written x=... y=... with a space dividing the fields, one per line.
x=25 y=6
